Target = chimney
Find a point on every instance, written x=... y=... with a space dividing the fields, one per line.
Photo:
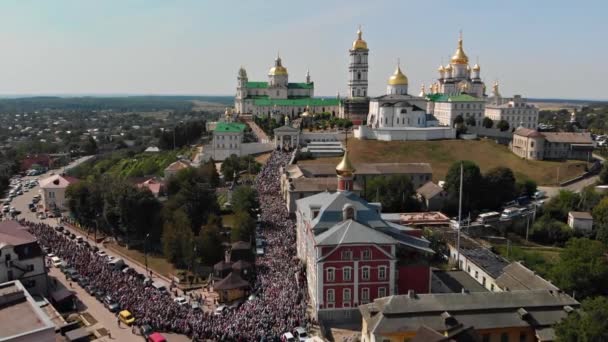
x=411 y=294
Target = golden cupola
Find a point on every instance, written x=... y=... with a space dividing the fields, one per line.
x=459 y=56
x=398 y=78
x=345 y=168
x=278 y=68
x=476 y=67
x=359 y=44
x=441 y=68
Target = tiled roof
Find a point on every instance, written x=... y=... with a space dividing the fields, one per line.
x=178 y=165
x=568 y=137
x=315 y=170
x=14 y=234
x=526 y=132
x=429 y=190
x=232 y=281
x=57 y=182
x=516 y=276
x=583 y=215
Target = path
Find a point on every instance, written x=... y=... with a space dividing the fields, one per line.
x=257 y=130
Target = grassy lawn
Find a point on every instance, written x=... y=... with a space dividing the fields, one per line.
x=442 y=153
x=156 y=263
x=228 y=220
x=538 y=259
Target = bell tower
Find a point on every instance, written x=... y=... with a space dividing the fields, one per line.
x=358 y=67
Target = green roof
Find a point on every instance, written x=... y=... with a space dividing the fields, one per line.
x=301 y=85
x=234 y=127
x=262 y=85
x=311 y=101
x=255 y=97
x=452 y=98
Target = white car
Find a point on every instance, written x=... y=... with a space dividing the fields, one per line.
x=102 y=254
x=220 y=310
x=56 y=261
x=288 y=337
x=300 y=334
x=180 y=301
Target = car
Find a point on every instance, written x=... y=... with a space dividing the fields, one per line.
x=90 y=289
x=83 y=282
x=6 y=208
x=99 y=294
x=180 y=301
x=107 y=300
x=59 y=228
x=126 y=317
x=220 y=310
x=195 y=306
x=300 y=334
x=259 y=251
x=146 y=330
x=287 y=337
x=66 y=232
x=72 y=236
x=156 y=337
x=539 y=195
x=114 y=307
x=56 y=261
x=50 y=255
x=102 y=254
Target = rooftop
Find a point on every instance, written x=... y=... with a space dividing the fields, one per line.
x=457 y=281
x=453 y=98
x=419 y=218
x=57 y=181
x=568 y=137
x=429 y=190
x=581 y=215
x=301 y=102
x=20 y=315
x=323 y=170
x=14 y=234
x=234 y=127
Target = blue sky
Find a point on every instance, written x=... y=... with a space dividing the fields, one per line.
x=534 y=48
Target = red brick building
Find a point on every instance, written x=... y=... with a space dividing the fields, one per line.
x=352 y=255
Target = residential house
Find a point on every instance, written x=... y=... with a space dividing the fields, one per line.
x=432 y=196
x=535 y=145
x=580 y=220
x=176 y=167
x=53 y=191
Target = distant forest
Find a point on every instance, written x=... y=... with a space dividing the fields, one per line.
x=117 y=104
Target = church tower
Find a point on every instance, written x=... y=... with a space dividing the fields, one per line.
x=277 y=80
x=346 y=173
x=357 y=68
x=241 y=91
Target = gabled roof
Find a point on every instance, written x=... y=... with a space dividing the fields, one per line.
x=352 y=232
x=516 y=276
x=581 y=215
x=231 y=127
x=453 y=98
x=528 y=133
x=286 y=128
x=568 y=137
x=232 y=281
x=429 y=190
x=57 y=182
x=14 y=234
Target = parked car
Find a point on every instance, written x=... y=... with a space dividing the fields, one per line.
x=220 y=310
x=56 y=261
x=126 y=317
x=287 y=337
x=539 y=194
x=180 y=301
x=300 y=334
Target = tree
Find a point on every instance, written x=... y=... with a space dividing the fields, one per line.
x=90 y=146
x=498 y=187
x=472 y=179
x=245 y=199
x=210 y=242
x=197 y=201
x=590 y=323
x=458 y=120
x=604 y=174
x=487 y=122
x=396 y=193
x=559 y=206
x=470 y=121
x=177 y=239
x=526 y=188
x=600 y=220
x=582 y=267
x=502 y=125
x=549 y=231
x=244 y=226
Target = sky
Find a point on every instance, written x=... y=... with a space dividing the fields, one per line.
x=540 y=49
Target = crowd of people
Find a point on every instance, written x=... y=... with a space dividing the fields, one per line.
x=280 y=300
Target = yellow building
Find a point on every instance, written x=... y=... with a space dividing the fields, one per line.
x=231 y=288
x=519 y=316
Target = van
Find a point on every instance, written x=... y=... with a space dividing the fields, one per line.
x=486 y=218
x=510 y=213
x=117 y=263
x=160 y=287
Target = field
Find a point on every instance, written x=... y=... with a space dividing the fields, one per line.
x=441 y=154
x=538 y=259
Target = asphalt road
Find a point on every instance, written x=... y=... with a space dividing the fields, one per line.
x=105 y=318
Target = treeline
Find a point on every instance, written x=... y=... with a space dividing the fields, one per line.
x=233 y=166
x=181 y=135
x=9 y=166
x=487 y=191
x=396 y=193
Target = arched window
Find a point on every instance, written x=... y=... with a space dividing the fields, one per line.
x=359 y=75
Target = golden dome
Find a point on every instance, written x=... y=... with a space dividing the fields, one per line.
x=459 y=56
x=398 y=78
x=278 y=68
x=441 y=68
x=448 y=67
x=345 y=168
x=476 y=67
x=306 y=113
x=359 y=44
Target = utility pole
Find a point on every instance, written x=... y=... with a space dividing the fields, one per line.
x=459 y=218
x=527 y=225
x=146 y=252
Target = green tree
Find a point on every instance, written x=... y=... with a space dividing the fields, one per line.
x=582 y=267
x=502 y=125
x=197 y=201
x=243 y=228
x=600 y=220
x=487 y=122
x=458 y=120
x=589 y=324
x=209 y=242
x=559 y=206
x=470 y=121
x=245 y=199
x=90 y=146
x=177 y=240
x=396 y=193
x=604 y=174
x=526 y=188
x=472 y=180
x=549 y=231
x=498 y=187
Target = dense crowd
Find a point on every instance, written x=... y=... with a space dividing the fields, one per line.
x=280 y=300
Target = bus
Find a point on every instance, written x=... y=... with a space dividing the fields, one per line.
x=488 y=217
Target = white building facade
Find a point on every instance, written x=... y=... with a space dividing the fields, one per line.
x=516 y=111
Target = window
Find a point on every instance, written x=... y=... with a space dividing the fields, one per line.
x=469 y=269
x=30 y=268
x=331 y=296
x=359 y=75
x=366 y=254
x=347 y=255
x=504 y=337
x=476 y=274
x=346 y=295
x=365 y=273
x=491 y=287
x=347 y=274
x=381 y=292
x=483 y=281
x=382 y=273
x=331 y=274
x=523 y=337
x=485 y=338
x=365 y=295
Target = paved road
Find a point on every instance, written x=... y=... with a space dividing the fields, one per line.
x=97 y=310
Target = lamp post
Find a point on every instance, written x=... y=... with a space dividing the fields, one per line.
x=193 y=260
x=146 y=252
